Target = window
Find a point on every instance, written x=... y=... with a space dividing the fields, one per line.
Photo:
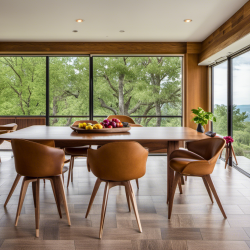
x=68 y=89
x=149 y=89
x=220 y=98
x=241 y=106
x=22 y=86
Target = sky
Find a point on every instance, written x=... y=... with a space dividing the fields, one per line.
x=241 y=81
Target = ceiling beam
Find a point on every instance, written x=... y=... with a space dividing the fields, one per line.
x=78 y=48
x=231 y=31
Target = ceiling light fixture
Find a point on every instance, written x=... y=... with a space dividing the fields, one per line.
x=188 y=20
x=79 y=20
x=75 y=31
x=122 y=31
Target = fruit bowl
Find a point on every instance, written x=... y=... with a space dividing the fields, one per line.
x=103 y=130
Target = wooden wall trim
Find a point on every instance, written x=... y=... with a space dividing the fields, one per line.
x=231 y=31
x=46 y=48
x=91 y=48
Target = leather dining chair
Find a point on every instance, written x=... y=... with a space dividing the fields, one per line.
x=76 y=151
x=125 y=118
x=7 y=128
x=199 y=161
x=3 y=132
x=35 y=161
x=49 y=143
x=116 y=164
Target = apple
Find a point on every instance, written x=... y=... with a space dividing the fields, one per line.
x=120 y=125
x=113 y=124
x=114 y=119
x=110 y=126
x=117 y=120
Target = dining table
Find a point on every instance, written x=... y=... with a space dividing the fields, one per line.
x=153 y=138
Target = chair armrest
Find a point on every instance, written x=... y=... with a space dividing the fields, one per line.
x=185 y=154
x=198 y=168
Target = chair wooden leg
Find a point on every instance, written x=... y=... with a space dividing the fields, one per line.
x=234 y=155
x=34 y=192
x=137 y=183
x=63 y=195
x=18 y=176
x=210 y=183
x=37 y=207
x=57 y=198
x=72 y=166
x=208 y=189
x=226 y=157
x=104 y=206
x=171 y=200
x=128 y=200
x=70 y=170
x=182 y=180
x=21 y=198
x=134 y=204
x=96 y=187
x=180 y=187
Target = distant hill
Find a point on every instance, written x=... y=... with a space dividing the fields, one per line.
x=245 y=108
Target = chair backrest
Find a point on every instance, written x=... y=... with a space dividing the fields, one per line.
x=207 y=148
x=36 y=160
x=118 y=161
x=3 y=132
x=86 y=121
x=11 y=126
x=122 y=118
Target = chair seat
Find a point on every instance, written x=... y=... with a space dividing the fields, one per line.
x=178 y=164
x=77 y=151
x=65 y=169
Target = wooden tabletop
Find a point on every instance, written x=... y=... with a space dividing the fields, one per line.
x=149 y=134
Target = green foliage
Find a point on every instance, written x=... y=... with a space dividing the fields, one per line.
x=138 y=86
x=202 y=117
x=241 y=129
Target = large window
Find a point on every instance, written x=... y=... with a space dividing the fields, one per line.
x=241 y=105
x=231 y=91
x=22 y=86
x=149 y=89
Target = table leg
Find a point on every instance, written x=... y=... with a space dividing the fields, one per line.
x=172 y=145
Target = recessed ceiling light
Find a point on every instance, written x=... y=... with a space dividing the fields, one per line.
x=188 y=20
x=75 y=31
x=79 y=20
x=122 y=31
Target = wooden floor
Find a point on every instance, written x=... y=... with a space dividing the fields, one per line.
x=196 y=224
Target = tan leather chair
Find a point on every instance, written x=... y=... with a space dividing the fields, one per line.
x=11 y=127
x=76 y=151
x=116 y=164
x=35 y=161
x=3 y=132
x=199 y=160
x=49 y=143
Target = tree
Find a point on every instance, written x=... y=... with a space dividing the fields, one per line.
x=137 y=85
x=220 y=126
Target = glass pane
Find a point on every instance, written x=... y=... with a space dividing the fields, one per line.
x=220 y=99
x=241 y=109
x=22 y=86
x=69 y=87
x=144 y=86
